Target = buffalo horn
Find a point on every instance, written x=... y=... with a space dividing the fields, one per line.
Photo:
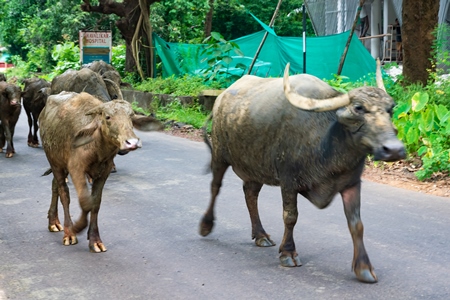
x=380 y=83
x=306 y=103
x=116 y=87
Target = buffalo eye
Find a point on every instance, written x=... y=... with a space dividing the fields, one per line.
x=108 y=117
x=359 y=108
x=390 y=110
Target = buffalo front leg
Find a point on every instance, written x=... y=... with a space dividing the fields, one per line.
x=95 y=243
x=30 y=135
x=251 y=191
x=53 y=221
x=9 y=144
x=361 y=263
x=289 y=256
x=207 y=223
x=35 y=140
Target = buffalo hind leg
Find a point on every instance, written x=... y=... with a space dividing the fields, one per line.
x=289 y=256
x=251 y=191
x=70 y=237
x=207 y=223
x=361 y=263
x=53 y=221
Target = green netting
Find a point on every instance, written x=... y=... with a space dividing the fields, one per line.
x=322 y=56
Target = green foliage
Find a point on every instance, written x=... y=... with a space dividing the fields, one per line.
x=187 y=85
x=440 y=57
x=179 y=21
x=27 y=26
x=174 y=111
x=118 y=59
x=425 y=129
x=340 y=83
x=191 y=114
x=218 y=55
x=67 y=56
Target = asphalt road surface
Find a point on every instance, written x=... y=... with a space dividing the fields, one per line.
x=149 y=221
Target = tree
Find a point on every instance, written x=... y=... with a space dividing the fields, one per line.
x=180 y=21
x=420 y=18
x=31 y=29
x=135 y=28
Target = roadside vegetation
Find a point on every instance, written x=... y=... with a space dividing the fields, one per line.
x=421 y=115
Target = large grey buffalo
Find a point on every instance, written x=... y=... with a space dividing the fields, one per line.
x=86 y=80
x=308 y=139
x=81 y=135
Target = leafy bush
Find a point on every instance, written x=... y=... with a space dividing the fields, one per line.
x=424 y=128
x=118 y=59
x=67 y=56
x=218 y=53
x=187 y=85
x=174 y=111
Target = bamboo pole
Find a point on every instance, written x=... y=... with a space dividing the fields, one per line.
x=264 y=37
x=347 y=45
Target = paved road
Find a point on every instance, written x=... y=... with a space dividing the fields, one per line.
x=149 y=221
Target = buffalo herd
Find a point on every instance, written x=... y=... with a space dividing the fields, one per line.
x=295 y=132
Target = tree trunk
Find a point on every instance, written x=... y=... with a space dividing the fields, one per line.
x=420 y=18
x=208 y=20
x=134 y=28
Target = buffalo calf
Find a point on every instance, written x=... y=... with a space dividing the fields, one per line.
x=81 y=135
x=10 y=107
x=34 y=96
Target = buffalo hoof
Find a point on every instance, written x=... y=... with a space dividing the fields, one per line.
x=55 y=228
x=9 y=155
x=97 y=248
x=264 y=242
x=206 y=228
x=70 y=240
x=33 y=145
x=366 y=275
x=291 y=260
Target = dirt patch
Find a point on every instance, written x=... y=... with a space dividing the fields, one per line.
x=399 y=174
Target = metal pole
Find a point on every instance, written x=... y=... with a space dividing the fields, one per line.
x=264 y=37
x=304 y=37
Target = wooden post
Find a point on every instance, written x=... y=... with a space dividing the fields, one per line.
x=347 y=45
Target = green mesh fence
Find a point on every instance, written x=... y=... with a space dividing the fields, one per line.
x=322 y=56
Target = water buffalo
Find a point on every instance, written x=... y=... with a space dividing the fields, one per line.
x=34 y=96
x=81 y=135
x=106 y=71
x=86 y=80
x=308 y=139
x=10 y=107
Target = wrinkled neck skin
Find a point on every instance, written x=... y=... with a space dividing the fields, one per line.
x=97 y=161
x=337 y=164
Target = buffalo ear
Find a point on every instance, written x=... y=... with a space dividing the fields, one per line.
x=95 y=111
x=349 y=118
x=145 y=123
x=85 y=135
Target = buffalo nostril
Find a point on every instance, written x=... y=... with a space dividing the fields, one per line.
x=133 y=143
x=394 y=150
